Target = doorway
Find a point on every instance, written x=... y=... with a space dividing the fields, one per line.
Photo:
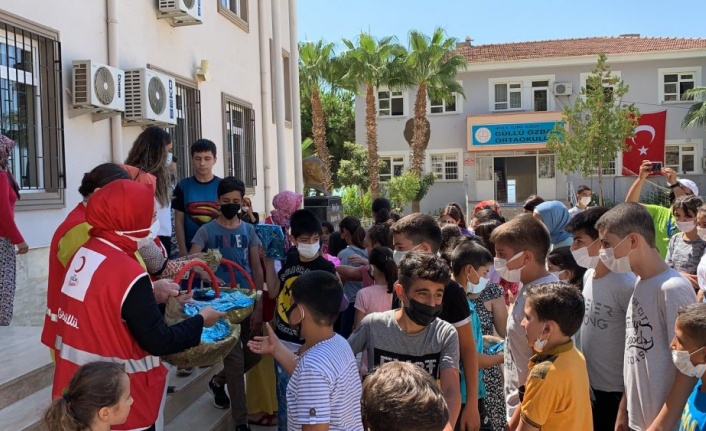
x=515 y=178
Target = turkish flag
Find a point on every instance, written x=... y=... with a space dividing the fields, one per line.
x=647 y=144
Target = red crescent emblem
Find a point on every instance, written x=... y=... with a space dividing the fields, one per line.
x=83 y=263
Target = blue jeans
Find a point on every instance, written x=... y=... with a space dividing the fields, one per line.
x=282 y=377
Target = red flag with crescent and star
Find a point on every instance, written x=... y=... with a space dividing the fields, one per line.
x=647 y=144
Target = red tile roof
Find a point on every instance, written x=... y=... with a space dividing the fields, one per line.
x=576 y=48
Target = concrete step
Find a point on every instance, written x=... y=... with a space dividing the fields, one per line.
x=27 y=366
x=27 y=413
x=202 y=416
x=189 y=389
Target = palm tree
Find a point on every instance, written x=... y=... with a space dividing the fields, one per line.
x=315 y=72
x=696 y=116
x=432 y=64
x=370 y=64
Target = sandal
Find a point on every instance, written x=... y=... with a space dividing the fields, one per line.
x=264 y=420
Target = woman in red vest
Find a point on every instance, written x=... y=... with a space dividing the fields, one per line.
x=106 y=308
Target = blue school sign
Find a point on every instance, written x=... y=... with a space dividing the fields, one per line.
x=512 y=134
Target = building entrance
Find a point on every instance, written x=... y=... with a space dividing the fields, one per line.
x=515 y=178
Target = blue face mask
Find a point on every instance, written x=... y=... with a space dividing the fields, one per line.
x=170 y=157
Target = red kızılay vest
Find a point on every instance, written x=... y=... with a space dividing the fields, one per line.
x=91 y=328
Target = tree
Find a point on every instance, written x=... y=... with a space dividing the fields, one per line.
x=370 y=64
x=402 y=190
x=314 y=74
x=353 y=171
x=339 y=118
x=432 y=64
x=596 y=126
x=696 y=116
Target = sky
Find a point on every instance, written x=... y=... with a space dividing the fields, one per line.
x=500 y=21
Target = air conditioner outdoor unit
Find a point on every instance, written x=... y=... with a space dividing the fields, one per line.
x=562 y=89
x=97 y=87
x=181 y=12
x=150 y=98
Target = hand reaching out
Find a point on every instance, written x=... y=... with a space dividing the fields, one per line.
x=264 y=345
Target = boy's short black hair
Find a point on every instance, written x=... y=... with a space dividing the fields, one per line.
x=231 y=184
x=558 y=302
x=203 y=146
x=304 y=222
x=322 y=293
x=419 y=228
x=417 y=265
x=531 y=202
x=627 y=218
x=524 y=232
x=586 y=221
x=469 y=253
x=583 y=188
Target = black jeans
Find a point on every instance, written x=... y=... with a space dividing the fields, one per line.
x=605 y=409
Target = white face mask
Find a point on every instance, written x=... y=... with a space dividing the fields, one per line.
x=397 y=255
x=511 y=275
x=540 y=344
x=170 y=157
x=619 y=265
x=557 y=274
x=585 y=200
x=308 y=251
x=151 y=229
x=682 y=360
x=245 y=209
x=473 y=288
x=686 y=226
x=701 y=231
x=583 y=259
x=154 y=229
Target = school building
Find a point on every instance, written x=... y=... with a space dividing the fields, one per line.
x=80 y=80
x=492 y=143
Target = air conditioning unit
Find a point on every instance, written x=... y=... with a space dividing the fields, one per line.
x=562 y=89
x=150 y=98
x=181 y=12
x=97 y=87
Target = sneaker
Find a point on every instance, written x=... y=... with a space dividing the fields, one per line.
x=220 y=398
x=184 y=372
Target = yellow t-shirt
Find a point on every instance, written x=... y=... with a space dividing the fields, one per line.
x=557 y=393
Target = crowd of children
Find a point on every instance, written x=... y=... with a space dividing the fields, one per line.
x=552 y=320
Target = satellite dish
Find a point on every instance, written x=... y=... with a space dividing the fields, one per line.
x=157 y=95
x=104 y=85
x=409 y=131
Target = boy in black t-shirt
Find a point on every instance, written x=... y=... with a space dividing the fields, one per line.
x=305 y=237
x=422 y=233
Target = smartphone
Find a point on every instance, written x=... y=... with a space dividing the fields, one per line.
x=656 y=166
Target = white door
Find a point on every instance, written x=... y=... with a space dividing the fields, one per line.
x=546 y=176
x=485 y=180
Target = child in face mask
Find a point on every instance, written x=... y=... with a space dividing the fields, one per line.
x=305 y=237
x=627 y=236
x=413 y=333
x=521 y=247
x=470 y=263
x=556 y=392
x=686 y=247
x=561 y=263
x=689 y=356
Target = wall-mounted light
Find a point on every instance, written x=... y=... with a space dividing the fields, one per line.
x=203 y=73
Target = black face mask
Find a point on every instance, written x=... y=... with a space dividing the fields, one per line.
x=229 y=211
x=422 y=314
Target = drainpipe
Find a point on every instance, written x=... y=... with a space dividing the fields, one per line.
x=279 y=96
x=116 y=126
x=264 y=98
x=296 y=96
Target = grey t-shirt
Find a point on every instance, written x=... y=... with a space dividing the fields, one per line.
x=603 y=329
x=684 y=255
x=517 y=349
x=351 y=288
x=648 y=370
x=435 y=348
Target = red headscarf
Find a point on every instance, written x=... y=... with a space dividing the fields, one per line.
x=122 y=206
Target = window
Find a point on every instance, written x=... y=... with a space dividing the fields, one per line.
x=607 y=89
x=674 y=82
x=391 y=103
x=524 y=93
x=452 y=105
x=445 y=166
x=239 y=124
x=188 y=127
x=484 y=168
x=681 y=158
x=608 y=169
x=287 y=89
x=545 y=166
x=31 y=111
x=236 y=11
x=391 y=167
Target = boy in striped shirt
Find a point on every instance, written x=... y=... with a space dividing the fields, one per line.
x=324 y=391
